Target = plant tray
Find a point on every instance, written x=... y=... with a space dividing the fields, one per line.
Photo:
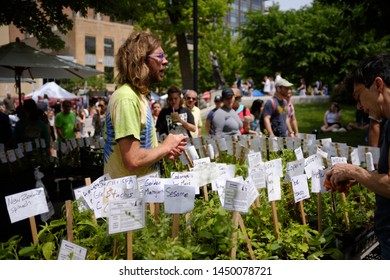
x=363 y=244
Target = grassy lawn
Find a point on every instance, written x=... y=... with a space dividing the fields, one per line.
x=310 y=116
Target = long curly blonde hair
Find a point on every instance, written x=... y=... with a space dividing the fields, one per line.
x=131 y=60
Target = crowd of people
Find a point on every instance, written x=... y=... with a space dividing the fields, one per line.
x=43 y=119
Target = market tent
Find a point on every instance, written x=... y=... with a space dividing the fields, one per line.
x=53 y=92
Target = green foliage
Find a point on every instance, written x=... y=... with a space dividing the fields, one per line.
x=8 y=250
x=206 y=232
x=319 y=42
x=46 y=14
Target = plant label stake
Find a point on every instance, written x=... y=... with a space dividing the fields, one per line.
x=178 y=199
x=246 y=237
x=69 y=220
x=25 y=205
x=233 y=252
x=220 y=155
x=274 y=193
x=34 y=231
x=319 y=211
x=234 y=143
x=129 y=241
x=275 y=219
x=267 y=146
x=175 y=225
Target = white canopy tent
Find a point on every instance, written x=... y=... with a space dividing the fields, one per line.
x=53 y=91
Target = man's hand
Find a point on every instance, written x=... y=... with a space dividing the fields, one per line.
x=175 y=144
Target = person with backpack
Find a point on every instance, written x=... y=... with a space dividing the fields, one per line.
x=276 y=110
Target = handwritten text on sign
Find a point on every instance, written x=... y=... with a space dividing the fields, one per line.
x=300 y=187
x=178 y=199
x=26 y=204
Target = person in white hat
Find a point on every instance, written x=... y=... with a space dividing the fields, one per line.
x=276 y=110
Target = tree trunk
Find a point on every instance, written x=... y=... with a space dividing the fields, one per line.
x=184 y=62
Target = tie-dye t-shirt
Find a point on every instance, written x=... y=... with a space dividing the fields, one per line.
x=127 y=114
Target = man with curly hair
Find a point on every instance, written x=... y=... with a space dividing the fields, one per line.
x=131 y=146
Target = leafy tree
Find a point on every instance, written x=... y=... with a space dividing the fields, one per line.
x=173 y=22
x=313 y=43
x=170 y=19
x=38 y=17
x=374 y=17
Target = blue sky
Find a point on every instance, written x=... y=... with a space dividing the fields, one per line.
x=290 y=4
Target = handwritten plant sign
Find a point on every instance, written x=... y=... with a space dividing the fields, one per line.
x=153 y=190
x=141 y=180
x=294 y=168
x=93 y=195
x=26 y=204
x=119 y=189
x=186 y=179
x=273 y=187
x=313 y=163
x=178 y=199
x=300 y=187
x=317 y=181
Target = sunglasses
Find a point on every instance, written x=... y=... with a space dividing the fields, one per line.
x=160 y=56
x=191 y=98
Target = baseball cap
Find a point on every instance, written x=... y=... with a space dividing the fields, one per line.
x=227 y=92
x=283 y=83
x=217 y=98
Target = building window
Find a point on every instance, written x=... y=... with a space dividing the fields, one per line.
x=90 y=45
x=90 y=51
x=108 y=47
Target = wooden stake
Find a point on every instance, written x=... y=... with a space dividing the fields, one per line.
x=218 y=149
x=234 y=151
x=233 y=253
x=205 y=193
x=129 y=239
x=267 y=147
x=188 y=221
x=34 y=231
x=69 y=220
x=151 y=208
x=175 y=225
x=257 y=202
x=319 y=211
x=190 y=163
x=346 y=217
x=302 y=210
x=156 y=212
x=275 y=218
x=246 y=237
x=115 y=250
